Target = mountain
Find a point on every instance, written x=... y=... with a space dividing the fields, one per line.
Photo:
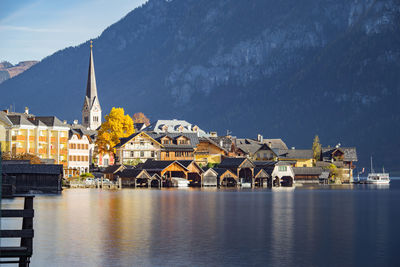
x=8 y=70
x=287 y=68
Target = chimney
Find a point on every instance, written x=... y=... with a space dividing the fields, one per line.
x=75 y=122
x=26 y=110
x=221 y=143
x=260 y=138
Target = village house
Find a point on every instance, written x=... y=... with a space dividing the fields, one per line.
x=343 y=158
x=256 y=149
x=298 y=157
x=79 y=153
x=280 y=172
x=43 y=136
x=207 y=151
x=138 y=147
x=143 y=146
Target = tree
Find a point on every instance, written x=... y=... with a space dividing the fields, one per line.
x=140 y=118
x=117 y=125
x=316 y=147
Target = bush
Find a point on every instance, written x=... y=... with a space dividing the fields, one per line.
x=86 y=175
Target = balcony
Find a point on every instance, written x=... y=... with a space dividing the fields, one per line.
x=42 y=138
x=19 y=138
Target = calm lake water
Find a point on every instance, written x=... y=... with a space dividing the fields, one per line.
x=311 y=226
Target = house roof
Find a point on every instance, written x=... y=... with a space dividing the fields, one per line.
x=19 y=120
x=350 y=153
x=221 y=171
x=129 y=173
x=296 y=153
x=158 y=165
x=173 y=126
x=32 y=169
x=4 y=118
x=307 y=170
x=113 y=168
x=232 y=162
x=275 y=143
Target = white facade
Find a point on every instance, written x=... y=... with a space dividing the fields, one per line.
x=141 y=147
x=79 y=155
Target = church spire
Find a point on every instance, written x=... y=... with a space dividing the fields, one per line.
x=91 y=88
x=91 y=112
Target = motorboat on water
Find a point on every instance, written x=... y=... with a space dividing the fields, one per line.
x=377 y=178
x=179 y=182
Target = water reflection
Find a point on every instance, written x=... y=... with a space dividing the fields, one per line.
x=282 y=228
x=310 y=226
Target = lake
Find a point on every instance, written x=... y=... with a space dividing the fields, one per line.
x=356 y=225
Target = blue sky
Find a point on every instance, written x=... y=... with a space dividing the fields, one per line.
x=34 y=29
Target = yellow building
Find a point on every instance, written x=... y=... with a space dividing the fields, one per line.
x=45 y=137
x=5 y=124
x=207 y=151
x=299 y=157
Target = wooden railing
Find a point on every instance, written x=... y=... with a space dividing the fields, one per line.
x=24 y=251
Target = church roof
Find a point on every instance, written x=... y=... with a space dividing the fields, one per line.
x=91 y=87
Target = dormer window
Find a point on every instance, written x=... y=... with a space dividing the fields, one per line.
x=165 y=128
x=181 y=128
x=195 y=128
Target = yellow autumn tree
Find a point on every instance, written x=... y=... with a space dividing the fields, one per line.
x=116 y=125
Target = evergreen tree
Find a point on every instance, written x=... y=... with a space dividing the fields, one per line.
x=316 y=147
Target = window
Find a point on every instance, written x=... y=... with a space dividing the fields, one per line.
x=141 y=143
x=167 y=154
x=152 y=154
x=86 y=119
x=95 y=118
x=141 y=154
x=132 y=154
x=282 y=168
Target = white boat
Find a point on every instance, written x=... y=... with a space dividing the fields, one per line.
x=179 y=182
x=377 y=178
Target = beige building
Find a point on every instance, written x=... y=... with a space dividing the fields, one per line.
x=43 y=136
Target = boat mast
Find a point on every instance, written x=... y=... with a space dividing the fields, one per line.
x=372 y=168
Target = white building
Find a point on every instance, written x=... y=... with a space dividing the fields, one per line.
x=79 y=154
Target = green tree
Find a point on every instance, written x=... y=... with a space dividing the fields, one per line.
x=117 y=125
x=316 y=147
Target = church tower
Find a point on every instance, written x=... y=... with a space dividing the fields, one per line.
x=91 y=111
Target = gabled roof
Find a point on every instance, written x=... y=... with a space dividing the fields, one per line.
x=132 y=173
x=52 y=169
x=19 y=120
x=350 y=153
x=114 y=169
x=275 y=143
x=186 y=164
x=4 y=118
x=258 y=171
x=223 y=141
x=296 y=153
x=211 y=141
x=233 y=162
x=221 y=171
x=125 y=140
x=172 y=126
x=159 y=165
